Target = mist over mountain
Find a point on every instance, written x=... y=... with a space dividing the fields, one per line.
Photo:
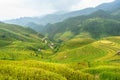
x=53 y=18
x=76 y=26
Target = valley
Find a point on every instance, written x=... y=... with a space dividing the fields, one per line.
x=75 y=59
x=72 y=47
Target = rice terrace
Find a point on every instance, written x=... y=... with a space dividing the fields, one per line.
x=60 y=40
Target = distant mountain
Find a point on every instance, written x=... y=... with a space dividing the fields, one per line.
x=100 y=22
x=54 y=18
x=110 y=6
x=34 y=26
x=23 y=21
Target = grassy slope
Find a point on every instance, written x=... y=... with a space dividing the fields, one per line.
x=15 y=32
x=36 y=70
x=75 y=43
x=98 y=58
x=40 y=71
x=101 y=50
x=18 y=43
x=86 y=59
x=91 y=61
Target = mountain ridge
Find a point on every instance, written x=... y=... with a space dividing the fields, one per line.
x=54 y=18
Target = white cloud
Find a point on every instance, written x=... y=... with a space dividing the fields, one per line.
x=24 y=8
x=89 y=3
x=64 y=4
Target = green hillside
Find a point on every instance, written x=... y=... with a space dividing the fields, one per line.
x=18 y=43
x=40 y=71
x=14 y=32
x=87 y=49
x=98 y=24
x=78 y=58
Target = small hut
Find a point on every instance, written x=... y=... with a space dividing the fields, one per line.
x=118 y=53
x=39 y=49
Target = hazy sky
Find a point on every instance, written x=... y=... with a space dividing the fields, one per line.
x=24 y=8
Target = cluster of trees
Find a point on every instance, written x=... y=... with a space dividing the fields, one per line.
x=99 y=27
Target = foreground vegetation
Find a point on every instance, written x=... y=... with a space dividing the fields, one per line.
x=88 y=60
x=37 y=70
